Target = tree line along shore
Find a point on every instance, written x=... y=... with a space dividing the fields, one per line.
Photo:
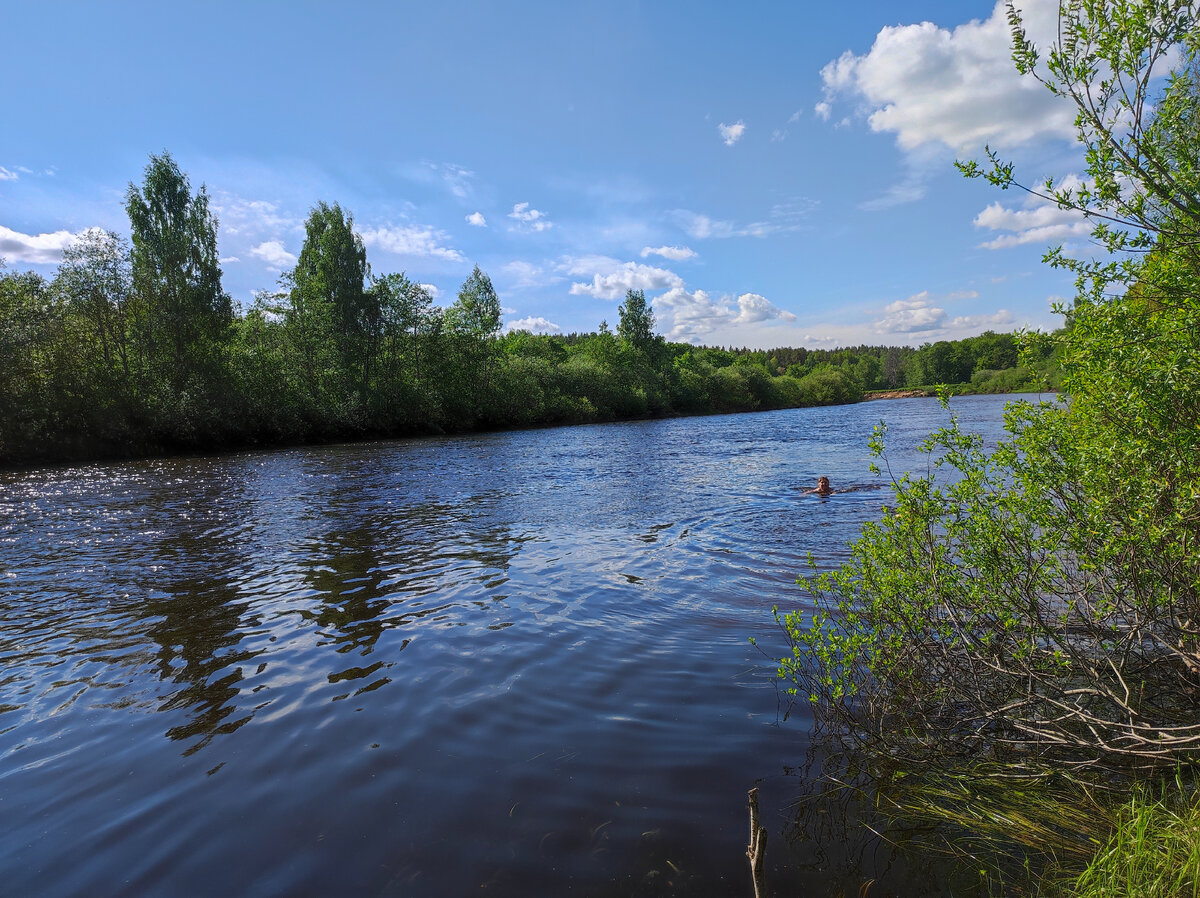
x=134 y=348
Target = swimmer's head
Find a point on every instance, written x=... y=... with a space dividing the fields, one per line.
x=823 y=485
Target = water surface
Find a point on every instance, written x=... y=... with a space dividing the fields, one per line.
x=514 y=662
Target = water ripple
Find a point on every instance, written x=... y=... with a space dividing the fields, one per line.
x=517 y=661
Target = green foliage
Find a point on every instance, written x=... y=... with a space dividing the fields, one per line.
x=331 y=315
x=636 y=323
x=1153 y=851
x=180 y=311
x=1033 y=609
x=134 y=349
x=476 y=312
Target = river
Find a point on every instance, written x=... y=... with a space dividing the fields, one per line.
x=514 y=663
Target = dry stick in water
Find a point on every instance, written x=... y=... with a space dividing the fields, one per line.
x=757 y=849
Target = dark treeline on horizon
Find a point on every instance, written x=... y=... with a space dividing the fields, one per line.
x=134 y=348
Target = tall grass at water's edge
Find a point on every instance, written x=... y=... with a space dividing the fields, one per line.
x=1153 y=852
x=1058 y=839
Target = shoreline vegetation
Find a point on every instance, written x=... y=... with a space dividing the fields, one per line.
x=1009 y=660
x=133 y=349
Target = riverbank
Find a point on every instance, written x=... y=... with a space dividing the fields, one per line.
x=896 y=394
x=225 y=437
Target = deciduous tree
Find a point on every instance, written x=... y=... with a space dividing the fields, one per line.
x=183 y=314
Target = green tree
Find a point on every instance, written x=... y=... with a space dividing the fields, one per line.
x=96 y=281
x=470 y=355
x=332 y=313
x=30 y=324
x=636 y=323
x=1040 y=605
x=183 y=315
x=476 y=312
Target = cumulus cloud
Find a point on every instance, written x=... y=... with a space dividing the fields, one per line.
x=412 y=240
x=916 y=314
x=477 y=219
x=273 y=253
x=927 y=84
x=919 y=317
x=753 y=308
x=1039 y=222
x=674 y=253
x=533 y=219
x=693 y=315
x=731 y=134
x=535 y=325
x=433 y=291
x=629 y=276
x=34 y=248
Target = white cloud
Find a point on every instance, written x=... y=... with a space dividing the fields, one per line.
x=927 y=84
x=783 y=217
x=533 y=218
x=456 y=178
x=701 y=226
x=273 y=253
x=34 y=248
x=753 y=308
x=577 y=266
x=692 y=316
x=919 y=165
x=433 y=291
x=256 y=217
x=917 y=314
x=731 y=134
x=919 y=317
x=781 y=134
x=970 y=325
x=629 y=276
x=674 y=253
x=412 y=240
x=1040 y=222
x=228 y=260
x=7 y=174
x=477 y=219
x=534 y=325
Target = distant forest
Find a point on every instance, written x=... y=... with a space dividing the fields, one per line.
x=134 y=348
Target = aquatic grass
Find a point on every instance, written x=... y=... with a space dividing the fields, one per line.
x=1012 y=831
x=1058 y=839
x=1153 y=852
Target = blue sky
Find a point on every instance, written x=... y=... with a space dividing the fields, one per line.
x=771 y=174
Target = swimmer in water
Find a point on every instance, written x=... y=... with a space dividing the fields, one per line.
x=821 y=489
